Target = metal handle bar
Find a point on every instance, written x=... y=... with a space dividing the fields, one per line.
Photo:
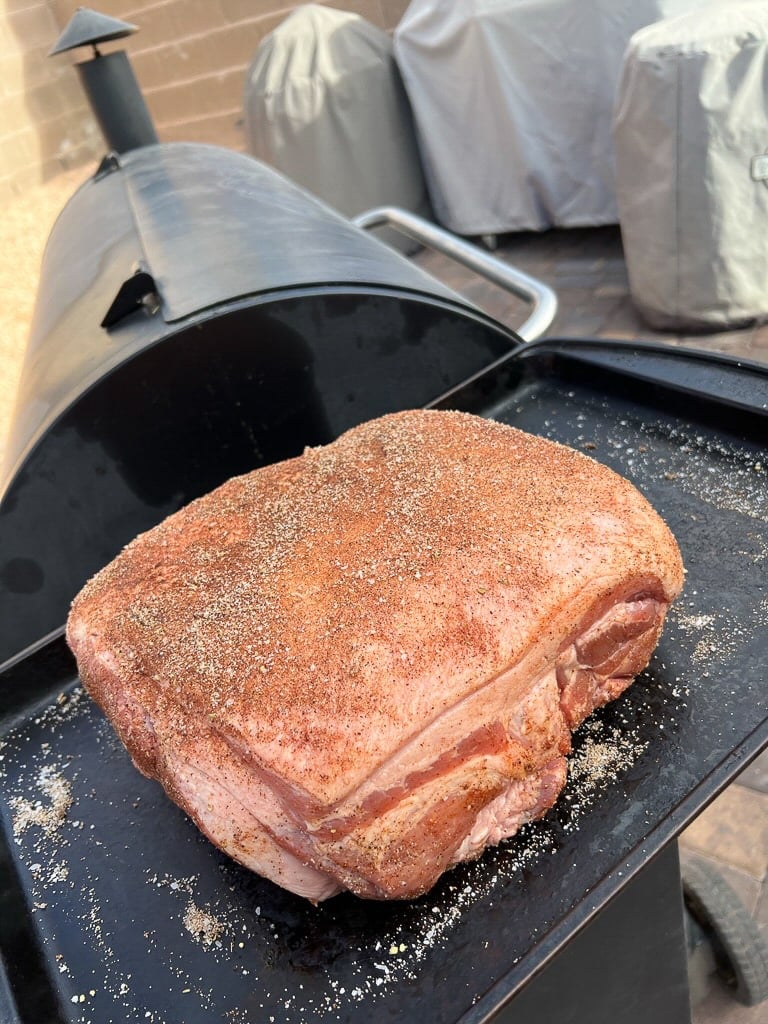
x=540 y=295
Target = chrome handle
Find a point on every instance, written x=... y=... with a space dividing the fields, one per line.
x=540 y=295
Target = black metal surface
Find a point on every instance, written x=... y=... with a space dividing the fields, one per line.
x=212 y=228
x=121 y=924
x=217 y=227
x=87 y=28
x=244 y=320
x=135 y=292
x=117 y=102
x=627 y=966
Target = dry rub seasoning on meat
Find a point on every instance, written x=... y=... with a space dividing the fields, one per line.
x=358 y=667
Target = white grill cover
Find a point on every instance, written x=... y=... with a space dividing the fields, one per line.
x=513 y=102
x=325 y=105
x=691 y=134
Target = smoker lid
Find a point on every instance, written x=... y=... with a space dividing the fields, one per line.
x=195 y=230
x=215 y=229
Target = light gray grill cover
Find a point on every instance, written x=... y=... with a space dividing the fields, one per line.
x=513 y=102
x=325 y=105
x=691 y=134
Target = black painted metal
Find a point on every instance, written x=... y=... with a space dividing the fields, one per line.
x=464 y=952
x=117 y=101
x=109 y=81
x=628 y=966
x=9 y=1013
x=89 y=28
x=137 y=291
x=216 y=226
x=271 y=323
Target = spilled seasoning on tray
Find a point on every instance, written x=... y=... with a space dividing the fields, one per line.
x=605 y=753
x=47 y=816
x=202 y=926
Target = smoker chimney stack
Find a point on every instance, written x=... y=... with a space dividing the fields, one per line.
x=109 y=81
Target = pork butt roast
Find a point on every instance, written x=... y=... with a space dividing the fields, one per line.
x=358 y=667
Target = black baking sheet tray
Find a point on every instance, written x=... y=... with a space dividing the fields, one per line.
x=136 y=917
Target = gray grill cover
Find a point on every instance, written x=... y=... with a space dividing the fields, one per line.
x=325 y=105
x=691 y=129
x=513 y=102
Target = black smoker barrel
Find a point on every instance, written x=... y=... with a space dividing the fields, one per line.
x=198 y=316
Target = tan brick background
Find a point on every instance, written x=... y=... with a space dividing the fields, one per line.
x=190 y=57
x=44 y=122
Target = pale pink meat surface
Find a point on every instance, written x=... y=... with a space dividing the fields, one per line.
x=358 y=667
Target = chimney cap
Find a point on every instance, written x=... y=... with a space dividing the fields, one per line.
x=87 y=28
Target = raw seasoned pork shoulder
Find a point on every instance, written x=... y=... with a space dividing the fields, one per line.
x=358 y=667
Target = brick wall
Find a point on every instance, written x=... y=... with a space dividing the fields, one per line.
x=189 y=56
x=45 y=125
